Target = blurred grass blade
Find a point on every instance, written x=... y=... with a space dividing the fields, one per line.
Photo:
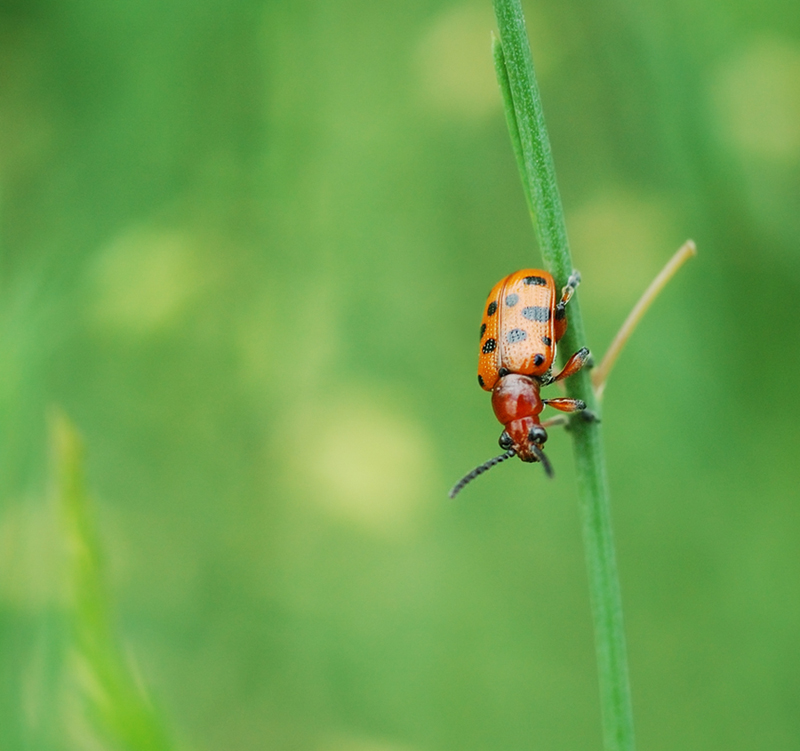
x=529 y=135
x=116 y=706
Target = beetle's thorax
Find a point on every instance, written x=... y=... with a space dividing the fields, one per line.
x=516 y=396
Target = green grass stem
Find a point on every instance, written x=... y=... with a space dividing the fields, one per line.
x=514 y=66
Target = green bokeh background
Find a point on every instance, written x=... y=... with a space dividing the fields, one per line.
x=245 y=246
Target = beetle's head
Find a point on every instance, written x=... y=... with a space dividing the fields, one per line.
x=526 y=437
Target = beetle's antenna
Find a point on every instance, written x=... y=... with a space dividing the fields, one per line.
x=540 y=455
x=479 y=471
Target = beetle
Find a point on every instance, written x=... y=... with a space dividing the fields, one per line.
x=522 y=323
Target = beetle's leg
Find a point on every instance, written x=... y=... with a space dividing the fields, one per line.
x=565 y=404
x=574 y=364
x=561 y=309
x=554 y=421
x=585 y=414
x=572 y=284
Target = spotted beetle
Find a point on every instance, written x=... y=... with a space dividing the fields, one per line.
x=522 y=322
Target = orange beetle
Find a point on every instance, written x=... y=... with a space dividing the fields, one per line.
x=522 y=322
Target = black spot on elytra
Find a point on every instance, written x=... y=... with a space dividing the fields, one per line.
x=537 y=313
x=483 y=329
x=512 y=300
x=536 y=281
x=488 y=346
x=516 y=335
x=561 y=312
x=492 y=309
x=547 y=341
x=538 y=360
x=480 y=380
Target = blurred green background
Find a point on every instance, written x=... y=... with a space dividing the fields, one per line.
x=245 y=247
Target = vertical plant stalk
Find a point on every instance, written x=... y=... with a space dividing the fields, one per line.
x=514 y=66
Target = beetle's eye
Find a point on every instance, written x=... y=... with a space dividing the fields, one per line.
x=537 y=434
x=505 y=441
